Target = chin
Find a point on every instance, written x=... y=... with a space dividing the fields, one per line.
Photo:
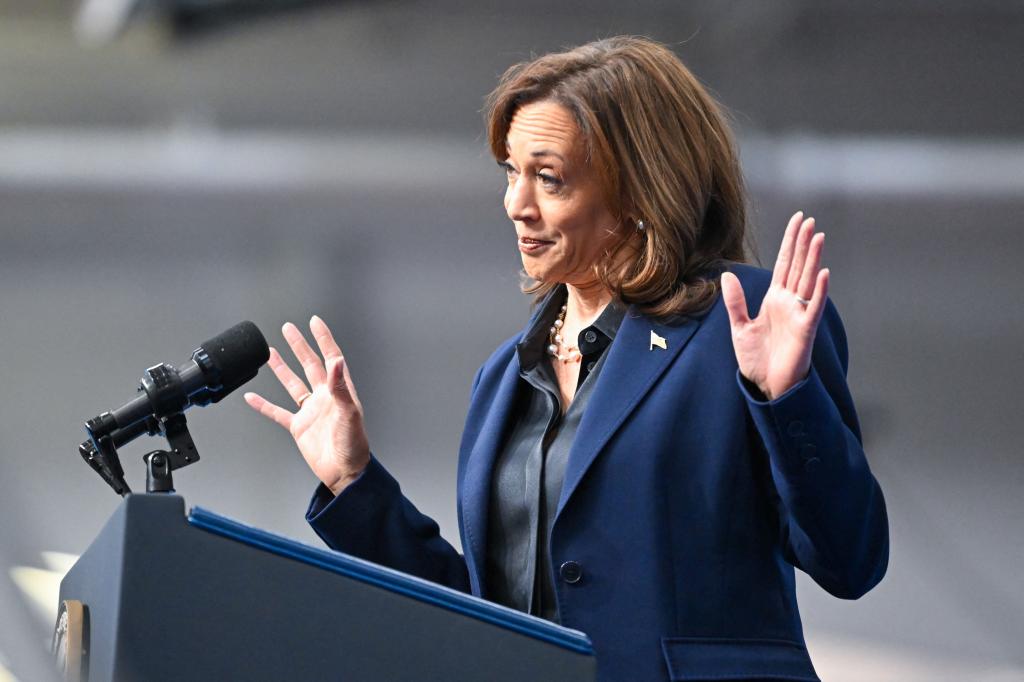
x=532 y=271
x=534 y=276
x=537 y=274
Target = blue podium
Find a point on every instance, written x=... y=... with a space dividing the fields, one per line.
x=170 y=596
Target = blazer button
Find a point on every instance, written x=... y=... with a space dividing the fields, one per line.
x=571 y=572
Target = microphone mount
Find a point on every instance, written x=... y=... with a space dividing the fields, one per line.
x=168 y=398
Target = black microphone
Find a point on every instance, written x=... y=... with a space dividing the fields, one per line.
x=217 y=368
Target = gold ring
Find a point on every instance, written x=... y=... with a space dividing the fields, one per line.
x=303 y=399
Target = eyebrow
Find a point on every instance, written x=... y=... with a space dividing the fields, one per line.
x=547 y=152
x=540 y=153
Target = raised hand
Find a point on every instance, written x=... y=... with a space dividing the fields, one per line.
x=774 y=349
x=328 y=426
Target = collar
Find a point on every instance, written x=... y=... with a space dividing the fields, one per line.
x=533 y=347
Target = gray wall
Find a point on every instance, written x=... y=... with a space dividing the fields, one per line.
x=157 y=190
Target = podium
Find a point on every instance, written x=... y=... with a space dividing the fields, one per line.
x=170 y=596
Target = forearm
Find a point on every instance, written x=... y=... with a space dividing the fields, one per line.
x=833 y=511
x=371 y=519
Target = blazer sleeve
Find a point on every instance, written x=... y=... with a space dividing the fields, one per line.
x=832 y=512
x=373 y=520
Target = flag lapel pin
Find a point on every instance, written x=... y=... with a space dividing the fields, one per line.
x=658 y=341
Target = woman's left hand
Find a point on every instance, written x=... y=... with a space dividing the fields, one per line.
x=774 y=349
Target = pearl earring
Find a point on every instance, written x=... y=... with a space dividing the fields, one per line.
x=640 y=227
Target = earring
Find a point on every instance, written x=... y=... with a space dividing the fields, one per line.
x=640 y=227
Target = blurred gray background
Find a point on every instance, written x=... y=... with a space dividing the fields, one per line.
x=211 y=165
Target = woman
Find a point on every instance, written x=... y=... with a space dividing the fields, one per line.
x=670 y=434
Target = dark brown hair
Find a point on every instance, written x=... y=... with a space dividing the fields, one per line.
x=665 y=156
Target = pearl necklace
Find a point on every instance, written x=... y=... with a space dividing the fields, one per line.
x=572 y=353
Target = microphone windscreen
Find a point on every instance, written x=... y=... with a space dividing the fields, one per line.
x=237 y=354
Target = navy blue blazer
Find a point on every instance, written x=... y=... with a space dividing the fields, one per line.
x=687 y=503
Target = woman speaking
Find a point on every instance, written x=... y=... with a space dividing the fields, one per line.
x=670 y=434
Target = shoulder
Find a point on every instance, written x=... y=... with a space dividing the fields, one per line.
x=755 y=282
x=750 y=274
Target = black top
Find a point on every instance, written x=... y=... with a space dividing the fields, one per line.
x=528 y=475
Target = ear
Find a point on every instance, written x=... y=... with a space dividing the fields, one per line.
x=627 y=208
x=627 y=221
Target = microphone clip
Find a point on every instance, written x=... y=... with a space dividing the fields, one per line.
x=101 y=454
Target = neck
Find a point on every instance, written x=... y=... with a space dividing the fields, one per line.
x=585 y=303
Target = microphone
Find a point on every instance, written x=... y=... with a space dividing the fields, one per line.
x=218 y=367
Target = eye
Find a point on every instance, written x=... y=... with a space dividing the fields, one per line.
x=550 y=182
x=510 y=172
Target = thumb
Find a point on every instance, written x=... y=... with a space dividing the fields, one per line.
x=735 y=301
x=336 y=381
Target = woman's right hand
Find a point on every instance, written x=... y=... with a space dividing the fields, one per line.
x=328 y=426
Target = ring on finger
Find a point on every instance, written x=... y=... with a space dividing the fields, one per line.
x=303 y=399
x=803 y=301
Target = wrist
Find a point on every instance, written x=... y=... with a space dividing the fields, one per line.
x=756 y=391
x=777 y=391
x=344 y=481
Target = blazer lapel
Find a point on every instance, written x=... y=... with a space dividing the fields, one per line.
x=476 y=486
x=631 y=368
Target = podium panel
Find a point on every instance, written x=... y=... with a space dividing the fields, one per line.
x=170 y=597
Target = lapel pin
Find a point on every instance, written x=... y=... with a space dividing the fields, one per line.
x=658 y=341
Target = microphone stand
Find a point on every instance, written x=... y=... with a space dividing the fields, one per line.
x=160 y=463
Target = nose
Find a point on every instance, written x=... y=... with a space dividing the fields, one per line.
x=520 y=202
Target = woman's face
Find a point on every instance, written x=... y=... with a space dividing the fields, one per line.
x=554 y=197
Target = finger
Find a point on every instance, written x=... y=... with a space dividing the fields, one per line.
x=308 y=358
x=805 y=289
x=735 y=301
x=295 y=386
x=786 y=250
x=817 y=305
x=324 y=338
x=278 y=415
x=803 y=242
